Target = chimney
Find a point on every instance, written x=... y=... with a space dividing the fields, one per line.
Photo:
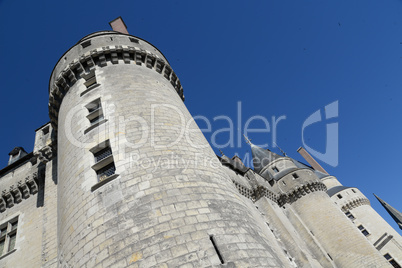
x=311 y=160
x=118 y=25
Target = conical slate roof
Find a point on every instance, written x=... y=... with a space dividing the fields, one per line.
x=395 y=214
x=262 y=157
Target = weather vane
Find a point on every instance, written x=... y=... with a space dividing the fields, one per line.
x=247 y=139
x=284 y=154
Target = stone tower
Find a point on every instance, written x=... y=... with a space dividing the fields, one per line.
x=116 y=105
x=304 y=195
x=122 y=176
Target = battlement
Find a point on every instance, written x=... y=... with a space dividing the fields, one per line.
x=100 y=49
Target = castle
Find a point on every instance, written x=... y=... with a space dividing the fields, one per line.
x=86 y=198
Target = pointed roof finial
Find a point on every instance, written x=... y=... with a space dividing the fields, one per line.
x=283 y=153
x=395 y=214
x=221 y=152
x=247 y=139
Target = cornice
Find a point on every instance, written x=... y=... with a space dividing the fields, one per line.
x=23 y=189
x=300 y=191
x=355 y=203
x=86 y=63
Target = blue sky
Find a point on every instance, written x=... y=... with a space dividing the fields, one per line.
x=278 y=58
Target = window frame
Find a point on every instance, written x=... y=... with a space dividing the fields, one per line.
x=9 y=232
x=363 y=230
x=103 y=163
x=95 y=114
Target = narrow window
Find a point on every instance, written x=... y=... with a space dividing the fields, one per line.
x=211 y=237
x=106 y=172
x=96 y=119
x=353 y=190
x=86 y=44
x=295 y=176
x=95 y=114
x=330 y=256
x=90 y=81
x=104 y=163
x=102 y=154
x=45 y=130
x=339 y=196
x=134 y=40
x=363 y=230
x=350 y=215
x=392 y=261
x=8 y=236
x=93 y=106
x=275 y=169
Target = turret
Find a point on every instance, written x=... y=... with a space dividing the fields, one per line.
x=138 y=182
x=303 y=195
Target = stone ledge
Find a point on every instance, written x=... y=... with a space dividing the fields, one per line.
x=103 y=182
x=95 y=125
x=8 y=253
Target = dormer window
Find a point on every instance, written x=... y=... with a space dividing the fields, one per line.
x=45 y=130
x=16 y=154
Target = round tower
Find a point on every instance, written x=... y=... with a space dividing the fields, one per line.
x=138 y=183
x=301 y=192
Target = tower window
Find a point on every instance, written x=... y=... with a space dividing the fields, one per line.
x=350 y=215
x=102 y=154
x=295 y=176
x=392 y=261
x=93 y=106
x=363 y=230
x=134 y=40
x=95 y=114
x=90 y=80
x=104 y=163
x=86 y=44
x=8 y=236
x=274 y=168
x=96 y=119
x=105 y=172
x=339 y=196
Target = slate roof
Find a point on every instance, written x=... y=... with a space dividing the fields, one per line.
x=262 y=157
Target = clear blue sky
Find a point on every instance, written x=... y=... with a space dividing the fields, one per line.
x=279 y=58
